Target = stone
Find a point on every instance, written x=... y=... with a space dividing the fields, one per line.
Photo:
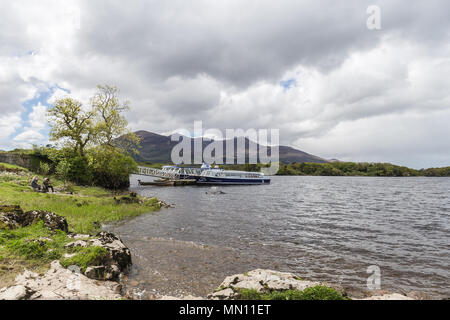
x=13 y=217
x=225 y=294
x=261 y=281
x=119 y=253
x=51 y=220
x=60 y=283
x=8 y=216
x=189 y=297
x=391 y=296
x=78 y=243
x=17 y=292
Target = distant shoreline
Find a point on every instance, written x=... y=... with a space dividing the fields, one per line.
x=337 y=168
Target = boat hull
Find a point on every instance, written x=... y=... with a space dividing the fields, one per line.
x=231 y=181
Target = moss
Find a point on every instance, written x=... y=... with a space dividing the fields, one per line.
x=312 y=293
x=85 y=257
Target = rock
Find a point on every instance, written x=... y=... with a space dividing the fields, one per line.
x=391 y=296
x=110 y=272
x=225 y=294
x=119 y=257
x=17 y=292
x=79 y=236
x=180 y=298
x=8 y=216
x=60 y=283
x=132 y=198
x=51 y=220
x=118 y=251
x=13 y=217
x=416 y=295
x=96 y=272
x=261 y=281
x=78 y=243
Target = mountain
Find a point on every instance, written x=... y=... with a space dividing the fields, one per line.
x=157 y=148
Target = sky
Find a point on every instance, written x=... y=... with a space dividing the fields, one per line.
x=313 y=69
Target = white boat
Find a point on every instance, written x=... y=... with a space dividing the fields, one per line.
x=216 y=176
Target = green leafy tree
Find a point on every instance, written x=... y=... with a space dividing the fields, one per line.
x=110 y=121
x=71 y=125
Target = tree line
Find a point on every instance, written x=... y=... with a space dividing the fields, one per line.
x=338 y=168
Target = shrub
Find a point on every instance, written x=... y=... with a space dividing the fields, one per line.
x=111 y=168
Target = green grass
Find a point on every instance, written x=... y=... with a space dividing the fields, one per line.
x=32 y=247
x=38 y=246
x=85 y=257
x=84 y=211
x=11 y=166
x=312 y=293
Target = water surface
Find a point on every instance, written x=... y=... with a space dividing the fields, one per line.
x=322 y=228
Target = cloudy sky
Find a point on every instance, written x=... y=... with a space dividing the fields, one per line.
x=312 y=69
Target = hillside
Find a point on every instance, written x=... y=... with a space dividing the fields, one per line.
x=157 y=148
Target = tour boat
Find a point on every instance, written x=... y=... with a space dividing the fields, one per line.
x=218 y=176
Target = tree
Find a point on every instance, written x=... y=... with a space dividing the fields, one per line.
x=110 y=122
x=71 y=125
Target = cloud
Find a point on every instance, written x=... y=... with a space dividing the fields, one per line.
x=310 y=68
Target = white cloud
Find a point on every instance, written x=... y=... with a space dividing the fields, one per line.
x=222 y=62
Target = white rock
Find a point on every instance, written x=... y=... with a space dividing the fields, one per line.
x=17 y=292
x=222 y=294
x=248 y=284
x=78 y=243
x=181 y=298
x=261 y=280
x=391 y=296
x=60 y=283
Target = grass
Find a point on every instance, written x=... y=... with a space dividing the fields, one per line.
x=84 y=211
x=312 y=293
x=7 y=167
x=85 y=257
x=34 y=247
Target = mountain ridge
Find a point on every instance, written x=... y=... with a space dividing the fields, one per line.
x=157 y=148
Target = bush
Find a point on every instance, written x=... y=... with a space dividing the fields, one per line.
x=79 y=170
x=111 y=168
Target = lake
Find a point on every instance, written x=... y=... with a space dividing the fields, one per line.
x=321 y=228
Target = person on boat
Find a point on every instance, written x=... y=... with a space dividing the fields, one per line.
x=47 y=186
x=35 y=185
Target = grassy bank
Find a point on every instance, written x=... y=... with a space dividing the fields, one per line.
x=86 y=209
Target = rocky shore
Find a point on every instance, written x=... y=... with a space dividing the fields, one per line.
x=101 y=278
x=98 y=280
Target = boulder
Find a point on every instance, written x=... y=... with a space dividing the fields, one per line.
x=51 y=220
x=8 y=217
x=119 y=253
x=391 y=296
x=17 y=292
x=119 y=260
x=261 y=281
x=13 y=217
x=60 y=283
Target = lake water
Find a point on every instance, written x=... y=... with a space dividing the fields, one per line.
x=321 y=228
